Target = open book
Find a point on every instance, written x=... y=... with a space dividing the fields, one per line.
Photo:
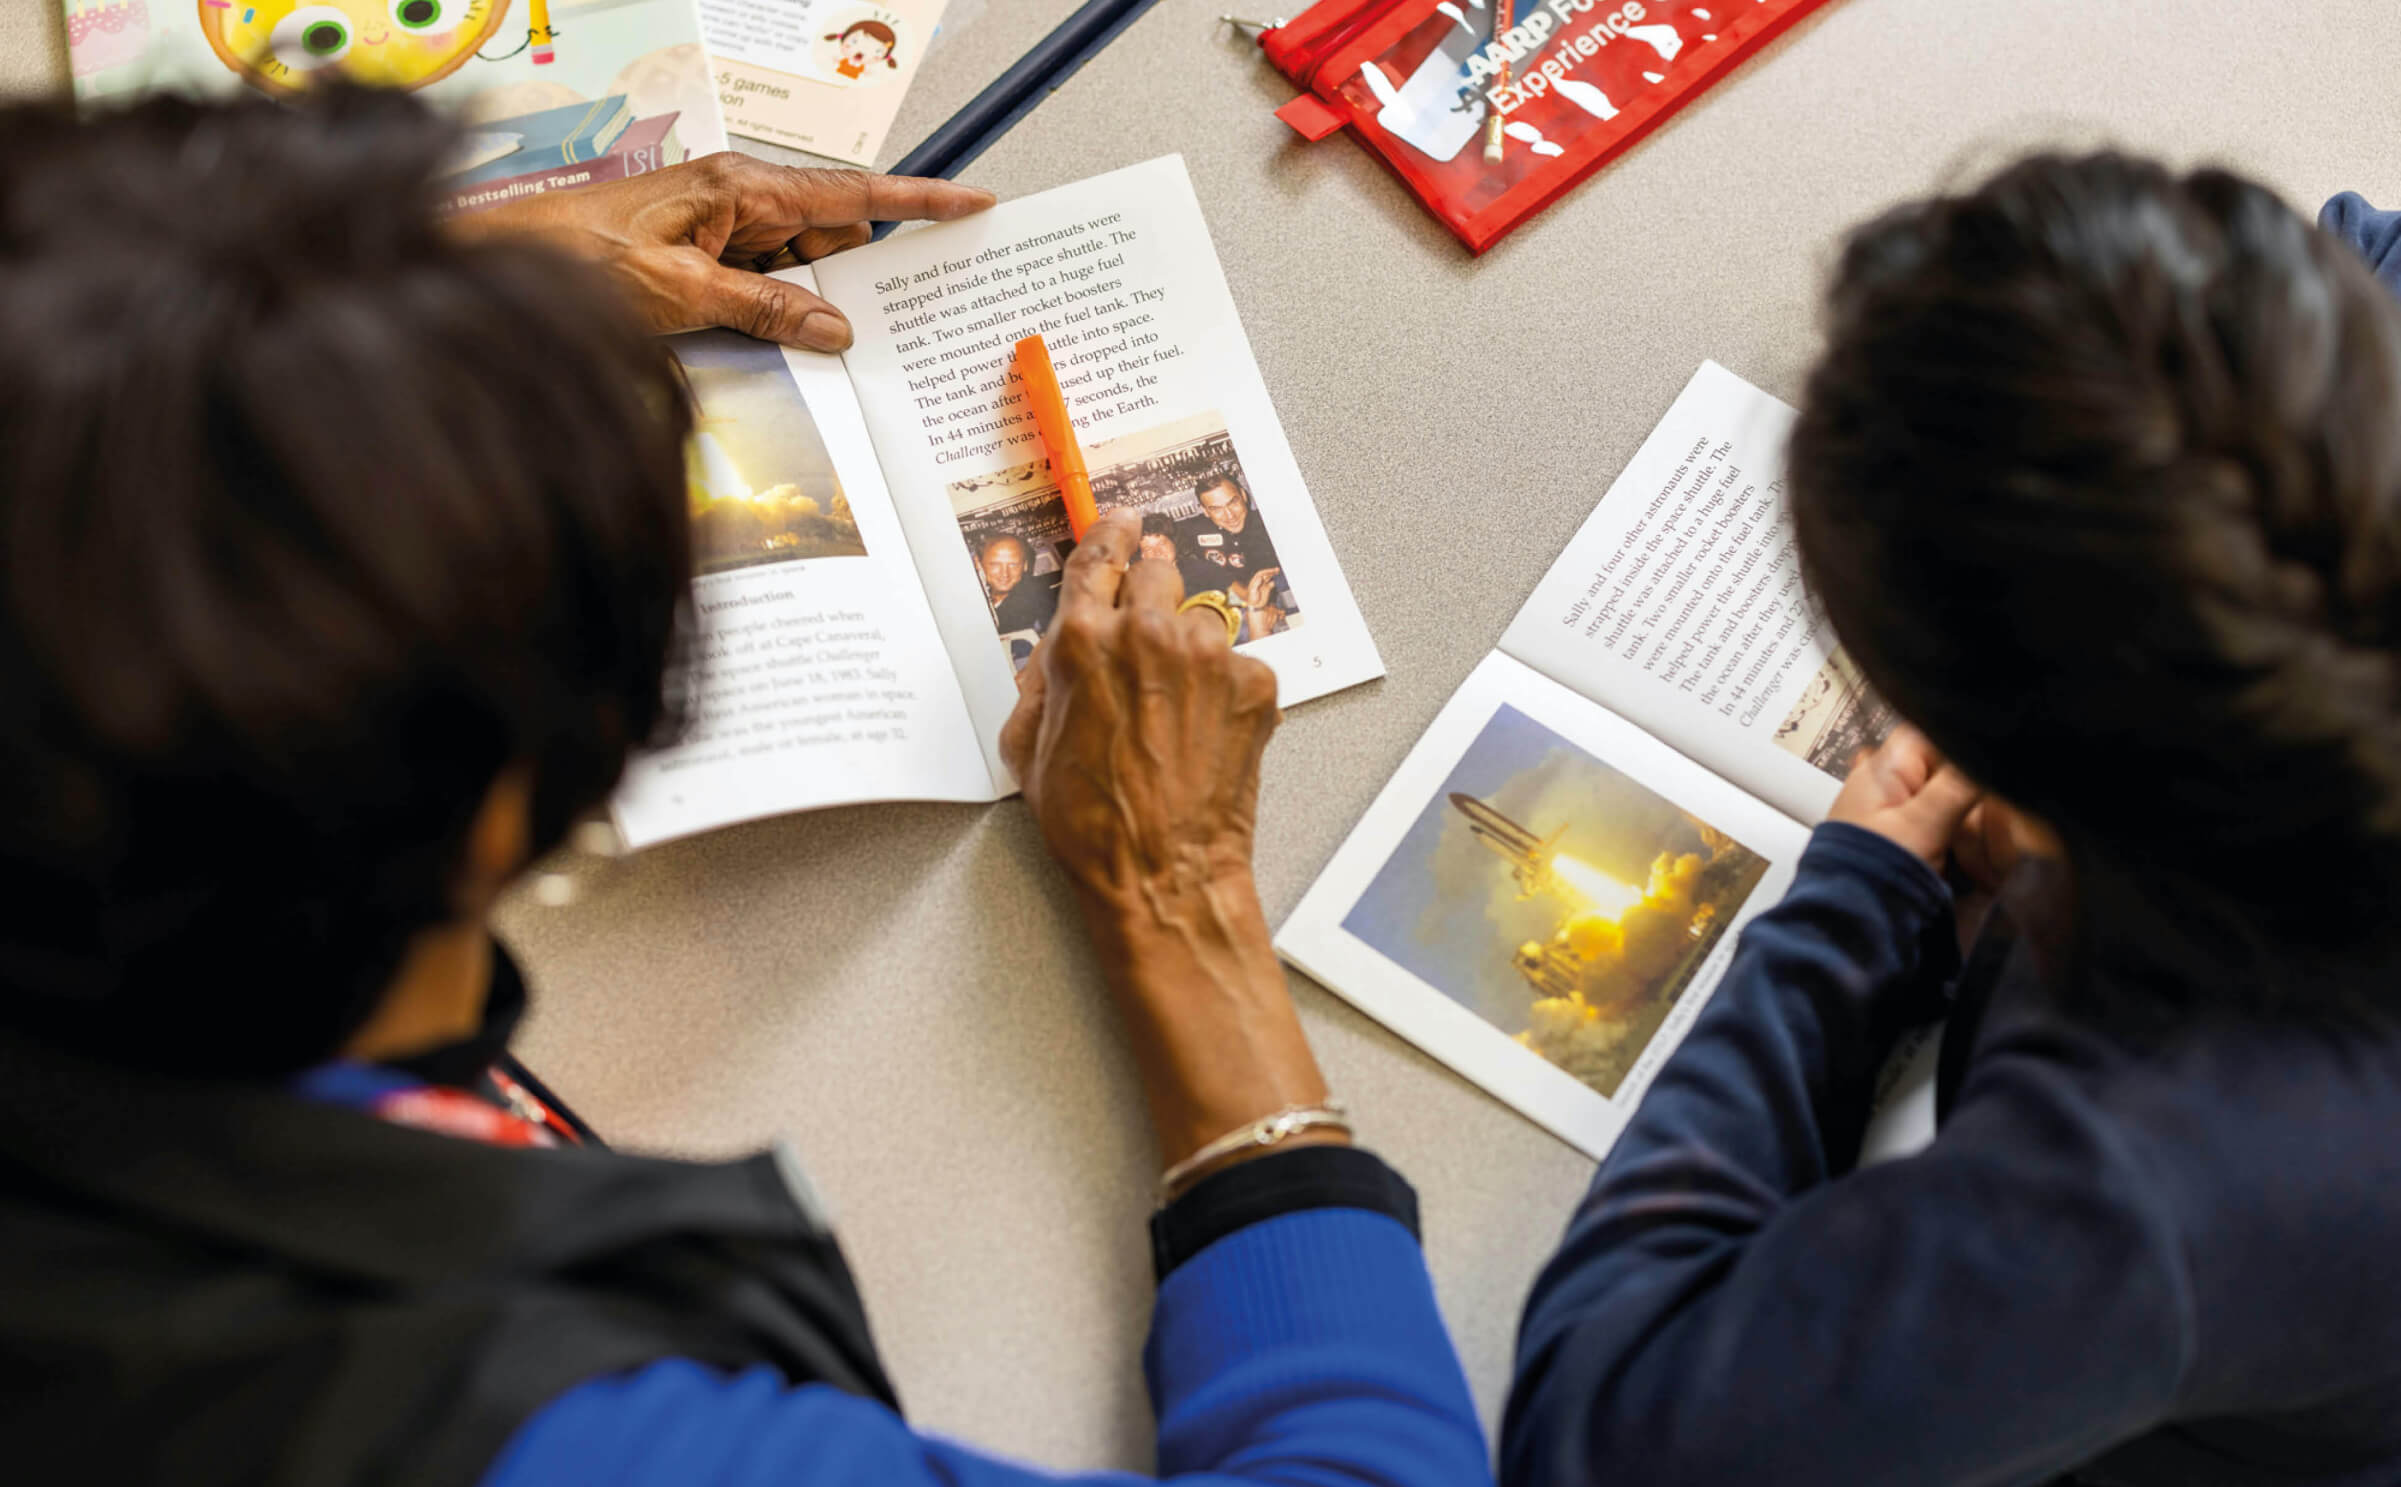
x=1548 y=890
x=878 y=537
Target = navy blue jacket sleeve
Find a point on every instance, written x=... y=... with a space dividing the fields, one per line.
x=1303 y=1350
x=2377 y=235
x=1723 y=1310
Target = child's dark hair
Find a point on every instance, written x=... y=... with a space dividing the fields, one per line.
x=314 y=520
x=2098 y=479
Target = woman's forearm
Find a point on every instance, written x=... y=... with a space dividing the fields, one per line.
x=1137 y=739
x=1206 y=1005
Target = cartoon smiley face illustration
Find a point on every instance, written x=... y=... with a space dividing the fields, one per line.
x=280 y=45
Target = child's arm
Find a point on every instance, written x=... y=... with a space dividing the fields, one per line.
x=1724 y=1310
x=2377 y=235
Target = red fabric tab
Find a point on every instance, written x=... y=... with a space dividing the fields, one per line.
x=1311 y=117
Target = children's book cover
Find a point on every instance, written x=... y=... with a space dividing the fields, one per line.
x=487 y=61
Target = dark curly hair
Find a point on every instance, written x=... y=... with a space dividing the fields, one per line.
x=313 y=520
x=2098 y=480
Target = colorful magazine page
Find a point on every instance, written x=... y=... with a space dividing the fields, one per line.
x=485 y=61
x=824 y=76
x=577 y=133
x=646 y=145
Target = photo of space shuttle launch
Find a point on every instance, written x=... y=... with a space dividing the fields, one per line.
x=761 y=484
x=1529 y=856
x=1557 y=898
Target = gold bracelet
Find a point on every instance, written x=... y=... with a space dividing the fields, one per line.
x=1267 y=1130
x=1218 y=603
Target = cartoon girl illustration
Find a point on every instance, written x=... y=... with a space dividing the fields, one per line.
x=862 y=46
x=275 y=45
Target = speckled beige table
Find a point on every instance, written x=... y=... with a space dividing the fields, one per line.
x=901 y=991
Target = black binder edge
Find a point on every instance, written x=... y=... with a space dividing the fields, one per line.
x=1015 y=93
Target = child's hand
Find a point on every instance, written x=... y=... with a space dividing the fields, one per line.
x=1909 y=794
x=1995 y=838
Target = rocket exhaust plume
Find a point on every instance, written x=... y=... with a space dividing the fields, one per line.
x=1611 y=896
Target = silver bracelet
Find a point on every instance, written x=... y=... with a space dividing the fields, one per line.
x=1267 y=1130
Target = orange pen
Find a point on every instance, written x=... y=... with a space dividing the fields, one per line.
x=1049 y=407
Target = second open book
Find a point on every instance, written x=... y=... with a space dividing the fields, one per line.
x=878 y=537
x=1547 y=892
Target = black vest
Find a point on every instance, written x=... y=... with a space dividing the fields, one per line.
x=210 y=1283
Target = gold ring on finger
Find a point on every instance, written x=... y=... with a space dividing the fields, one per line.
x=1215 y=601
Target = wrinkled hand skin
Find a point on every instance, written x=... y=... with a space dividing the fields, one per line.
x=683 y=243
x=1138 y=733
x=1137 y=738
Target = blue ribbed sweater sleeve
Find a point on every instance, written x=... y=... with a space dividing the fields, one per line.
x=1301 y=1351
x=1724 y=1310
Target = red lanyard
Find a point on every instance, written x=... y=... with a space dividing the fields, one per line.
x=450 y=1112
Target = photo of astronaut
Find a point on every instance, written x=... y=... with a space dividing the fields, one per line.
x=1197 y=512
x=1557 y=898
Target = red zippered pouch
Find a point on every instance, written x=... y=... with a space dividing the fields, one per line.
x=1491 y=109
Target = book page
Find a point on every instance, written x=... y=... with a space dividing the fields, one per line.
x=819 y=75
x=1117 y=274
x=1903 y=1121
x=1543 y=897
x=817 y=675
x=1679 y=606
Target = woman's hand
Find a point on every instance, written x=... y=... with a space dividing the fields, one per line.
x=685 y=243
x=1137 y=739
x=1908 y=793
x=1138 y=732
